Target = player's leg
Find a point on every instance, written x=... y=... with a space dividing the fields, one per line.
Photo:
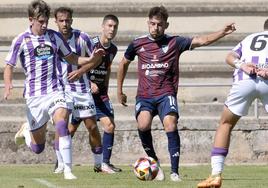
x=170 y=126
x=60 y=118
x=168 y=113
x=237 y=104
x=220 y=148
x=34 y=131
x=105 y=114
x=72 y=127
x=94 y=141
x=107 y=144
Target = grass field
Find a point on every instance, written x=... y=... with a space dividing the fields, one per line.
x=41 y=176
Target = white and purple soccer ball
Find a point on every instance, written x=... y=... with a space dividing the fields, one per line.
x=146 y=168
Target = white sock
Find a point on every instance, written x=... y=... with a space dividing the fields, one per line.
x=97 y=158
x=65 y=148
x=59 y=158
x=27 y=135
x=217 y=164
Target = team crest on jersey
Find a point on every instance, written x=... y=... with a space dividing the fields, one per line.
x=43 y=51
x=27 y=39
x=165 y=48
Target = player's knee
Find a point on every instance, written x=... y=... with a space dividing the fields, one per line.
x=37 y=148
x=72 y=129
x=110 y=128
x=97 y=150
x=62 y=128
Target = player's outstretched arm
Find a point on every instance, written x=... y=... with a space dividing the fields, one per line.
x=8 y=74
x=204 y=40
x=89 y=62
x=121 y=74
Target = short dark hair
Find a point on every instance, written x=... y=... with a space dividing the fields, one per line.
x=38 y=8
x=265 y=26
x=110 y=17
x=63 y=10
x=159 y=12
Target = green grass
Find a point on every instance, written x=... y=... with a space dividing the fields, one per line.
x=41 y=176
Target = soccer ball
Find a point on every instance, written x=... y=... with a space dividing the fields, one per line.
x=146 y=168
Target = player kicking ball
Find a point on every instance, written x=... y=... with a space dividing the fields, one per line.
x=158 y=74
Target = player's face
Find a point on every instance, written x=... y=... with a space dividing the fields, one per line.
x=39 y=25
x=157 y=27
x=109 y=29
x=64 y=22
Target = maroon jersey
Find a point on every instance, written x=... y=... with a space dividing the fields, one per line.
x=99 y=74
x=158 y=64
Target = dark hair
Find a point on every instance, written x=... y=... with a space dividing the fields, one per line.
x=110 y=17
x=38 y=8
x=265 y=26
x=159 y=12
x=63 y=10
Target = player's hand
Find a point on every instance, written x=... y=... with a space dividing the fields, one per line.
x=74 y=75
x=229 y=28
x=249 y=68
x=8 y=88
x=122 y=99
x=263 y=73
x=94 y=88
x=98 y=52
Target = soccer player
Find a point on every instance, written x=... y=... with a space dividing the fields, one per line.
x=249 y=58
x=99 y=78
x=158 y=73
x=38 y=49
x=77 y=93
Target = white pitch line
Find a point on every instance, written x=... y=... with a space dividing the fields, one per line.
x=45 y=182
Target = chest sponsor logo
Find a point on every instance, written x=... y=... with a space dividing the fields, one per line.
x=43 y=52
x=98 y=72
x=154 y=65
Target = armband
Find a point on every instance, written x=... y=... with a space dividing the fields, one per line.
x=238 y=63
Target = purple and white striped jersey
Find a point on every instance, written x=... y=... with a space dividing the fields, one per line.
x=158 y=64
x=81 y=45
x=39 y=57
x=253 y=49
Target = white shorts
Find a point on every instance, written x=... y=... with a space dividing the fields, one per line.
x=81 y=104
x=41 y=109
x=244 y=92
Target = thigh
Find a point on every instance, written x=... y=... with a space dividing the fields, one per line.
x=263 y=93
x=104 y=109
x=145 y=110
x=167 y=105
x=37 y=114
x=241 y=96
x=84 y=105
x=56 y=103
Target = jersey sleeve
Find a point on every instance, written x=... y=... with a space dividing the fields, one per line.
x=14 y=51
x=184 y=43
x=89 y=44
x=238 y=49
x=130 y=52
x=64 y=48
